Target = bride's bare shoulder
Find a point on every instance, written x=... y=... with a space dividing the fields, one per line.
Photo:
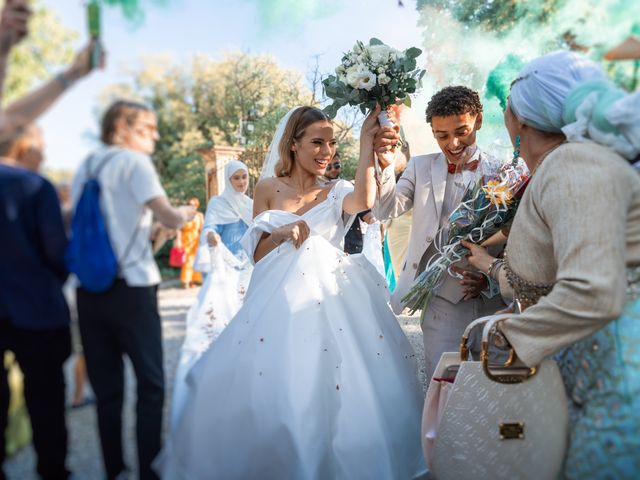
x=265 y=187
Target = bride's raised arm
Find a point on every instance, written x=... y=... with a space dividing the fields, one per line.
x=364 y=194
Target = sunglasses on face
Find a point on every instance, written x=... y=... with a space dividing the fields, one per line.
x=335 y=166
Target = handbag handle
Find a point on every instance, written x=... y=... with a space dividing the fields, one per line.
x=464 y=341
x=511 y=374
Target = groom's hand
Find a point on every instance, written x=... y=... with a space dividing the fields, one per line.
x=384 y=144
x=473 y=282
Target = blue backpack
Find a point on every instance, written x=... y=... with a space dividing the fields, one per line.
x=89 y=254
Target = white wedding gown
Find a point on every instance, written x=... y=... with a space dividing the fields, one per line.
x=312 y=379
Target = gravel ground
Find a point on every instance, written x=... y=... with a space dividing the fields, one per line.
x=84 y=446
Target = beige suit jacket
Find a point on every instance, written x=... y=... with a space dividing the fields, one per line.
x=421 y=187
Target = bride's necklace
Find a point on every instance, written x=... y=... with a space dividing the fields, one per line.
x=300 y=195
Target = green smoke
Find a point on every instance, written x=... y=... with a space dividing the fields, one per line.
x=496 y=16
x=500 y=78
x=132 y=9
x=279 y=15
x=477 y=43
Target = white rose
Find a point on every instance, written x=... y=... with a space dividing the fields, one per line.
x=379 y=54
x=353 y=74
x=380 y=69
x=367 y=81
x=383 y=79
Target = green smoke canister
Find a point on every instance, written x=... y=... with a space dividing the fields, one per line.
x=93 y=20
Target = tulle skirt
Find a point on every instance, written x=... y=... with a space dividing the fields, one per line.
x=312 y=379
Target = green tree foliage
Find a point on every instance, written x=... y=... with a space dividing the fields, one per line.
x=238 y=99
x=47 y=48
x=497 y=16
x=481 y=44
x=347 y=144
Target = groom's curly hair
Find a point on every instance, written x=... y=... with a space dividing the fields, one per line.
x=456 y=100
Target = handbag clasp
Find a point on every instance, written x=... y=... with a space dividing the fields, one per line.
x=507 y=373
x=511 y=431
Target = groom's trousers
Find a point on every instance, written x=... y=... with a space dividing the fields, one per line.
x=124 y=321
x=444 y=323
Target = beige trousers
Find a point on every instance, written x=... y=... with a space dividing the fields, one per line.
x=444 y=323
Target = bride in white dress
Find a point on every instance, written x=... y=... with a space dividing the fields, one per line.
x=313 y=378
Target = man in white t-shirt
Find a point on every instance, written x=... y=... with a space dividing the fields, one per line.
x=125 y=319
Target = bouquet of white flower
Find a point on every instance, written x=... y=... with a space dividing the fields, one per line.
x=374 y=73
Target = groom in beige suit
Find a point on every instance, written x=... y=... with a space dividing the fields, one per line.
x=432 y=185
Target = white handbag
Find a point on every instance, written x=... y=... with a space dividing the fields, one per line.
x=494 y=421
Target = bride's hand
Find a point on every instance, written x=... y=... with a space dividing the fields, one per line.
x=297 y=232
x=370 y=127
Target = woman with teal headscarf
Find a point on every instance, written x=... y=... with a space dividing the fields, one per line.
x=573 y=253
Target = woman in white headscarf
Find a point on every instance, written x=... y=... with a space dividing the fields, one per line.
x=573 y=254
x=229 y=215
x=228 y=270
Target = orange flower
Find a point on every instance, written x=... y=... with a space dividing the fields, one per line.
x=498 y=193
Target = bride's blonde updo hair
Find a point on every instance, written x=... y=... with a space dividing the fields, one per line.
x=297 y=124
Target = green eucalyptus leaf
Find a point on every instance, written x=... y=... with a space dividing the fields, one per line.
x=409 y=64
x=413 y=52
x=330 y=110
x=375 y=41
